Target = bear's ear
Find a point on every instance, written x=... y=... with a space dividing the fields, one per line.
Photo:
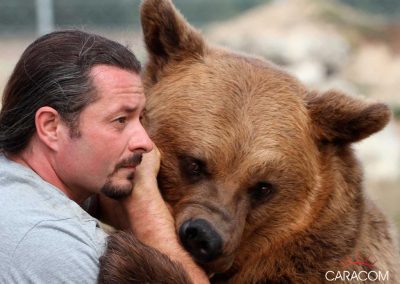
x=168 y=36
x=338 y=118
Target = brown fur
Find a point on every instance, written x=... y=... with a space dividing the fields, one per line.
x=225 y=122
x=129 y=261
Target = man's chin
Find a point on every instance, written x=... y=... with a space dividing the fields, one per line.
x=117 y=191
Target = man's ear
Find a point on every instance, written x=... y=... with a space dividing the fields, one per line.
x=48 y=123
x=168 y=36
x=338 y=118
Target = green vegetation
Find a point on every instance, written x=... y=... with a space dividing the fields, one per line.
x=396 y=113
x=200 y=12
x=19 y=15
x=16 y=15
x=390 y=8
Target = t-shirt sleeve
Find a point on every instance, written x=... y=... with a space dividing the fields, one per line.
x=62 y=251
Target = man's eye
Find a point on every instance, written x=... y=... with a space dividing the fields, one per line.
x=121 y=120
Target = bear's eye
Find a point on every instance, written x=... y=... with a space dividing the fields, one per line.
x=262 y=191
x=193 y=169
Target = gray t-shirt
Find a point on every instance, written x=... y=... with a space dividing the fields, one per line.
x=44 y=236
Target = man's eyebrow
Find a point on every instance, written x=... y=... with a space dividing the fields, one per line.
x=129 y=109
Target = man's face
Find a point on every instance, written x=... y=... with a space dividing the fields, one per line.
x=112 y=139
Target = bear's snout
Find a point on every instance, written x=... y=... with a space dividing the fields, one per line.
x=200 y=238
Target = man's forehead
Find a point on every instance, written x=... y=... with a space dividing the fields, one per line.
x=111 y=82
x=115 y=77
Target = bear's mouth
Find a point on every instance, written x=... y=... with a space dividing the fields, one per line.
x=222 y=265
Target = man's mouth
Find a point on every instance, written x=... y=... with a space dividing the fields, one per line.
x=130 y=166
x=131 y=163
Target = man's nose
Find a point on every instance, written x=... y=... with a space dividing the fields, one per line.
x=140 y=140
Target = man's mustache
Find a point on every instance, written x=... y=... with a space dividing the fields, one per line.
x=132 y=161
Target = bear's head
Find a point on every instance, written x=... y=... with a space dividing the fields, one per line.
x=249 y=155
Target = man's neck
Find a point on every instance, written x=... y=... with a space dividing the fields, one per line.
x=36 y=160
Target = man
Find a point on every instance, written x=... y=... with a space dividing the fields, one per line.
x=70 y=129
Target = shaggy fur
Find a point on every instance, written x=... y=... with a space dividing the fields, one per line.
x=266 y=162
x=129 y=261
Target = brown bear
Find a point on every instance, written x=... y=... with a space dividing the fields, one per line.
x=259 y=170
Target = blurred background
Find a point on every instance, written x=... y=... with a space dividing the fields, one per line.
x=351 y=45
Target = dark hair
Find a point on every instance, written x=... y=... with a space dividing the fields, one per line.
x=54 y=71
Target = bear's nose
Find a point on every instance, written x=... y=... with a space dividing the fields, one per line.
x=201 y=240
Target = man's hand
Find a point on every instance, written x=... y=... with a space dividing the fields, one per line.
x=149 y=218
x=145 y=189
x=147 y=170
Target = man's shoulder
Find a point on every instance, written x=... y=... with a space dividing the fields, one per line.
x=62 y=235
x=22 y=215
x=34 y=214
x=37 y=229
x=21 y=187
x=56 y=249
x=28 y=200
x=65 y=249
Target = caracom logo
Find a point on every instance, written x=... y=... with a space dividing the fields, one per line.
x=367 y=273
